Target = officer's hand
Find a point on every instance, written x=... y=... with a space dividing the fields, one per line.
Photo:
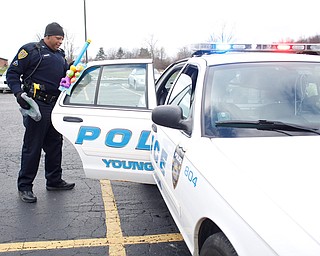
x=70 y=64
x=21 y=101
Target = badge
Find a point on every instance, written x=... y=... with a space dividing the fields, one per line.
x=176 y=165
x=22 y=54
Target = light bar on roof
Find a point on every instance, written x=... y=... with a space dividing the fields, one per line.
x=220 y=47
x=298 y=47
x=314 y=47
x=283 y=47
x=223 y=47
x=289 y=47
x=275 y=47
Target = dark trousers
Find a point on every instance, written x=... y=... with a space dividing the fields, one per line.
x=40 y=135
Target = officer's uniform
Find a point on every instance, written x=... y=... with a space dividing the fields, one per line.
x=37 y=63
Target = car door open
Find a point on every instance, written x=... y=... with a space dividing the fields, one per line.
x=109 y=122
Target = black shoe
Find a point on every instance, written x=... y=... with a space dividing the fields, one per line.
x=27 y=196
x=63 y=185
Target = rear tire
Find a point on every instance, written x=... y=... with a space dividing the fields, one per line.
x=217 y=245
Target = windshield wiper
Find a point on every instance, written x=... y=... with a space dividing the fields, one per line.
x=266 y=125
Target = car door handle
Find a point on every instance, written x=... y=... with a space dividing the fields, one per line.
x=154 y=128
x=72 y=119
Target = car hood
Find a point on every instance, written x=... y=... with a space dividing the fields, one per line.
x=276 y=178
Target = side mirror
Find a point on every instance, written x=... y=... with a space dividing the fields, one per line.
x=170 y=116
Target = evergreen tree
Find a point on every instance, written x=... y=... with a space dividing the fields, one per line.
x=120 y=53
x=101 y=55
x=144 y=53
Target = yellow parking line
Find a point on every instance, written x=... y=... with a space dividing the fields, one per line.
x=114 y=232
x=95 y=242
x=115 y=240
x=50 y=245
x=153 y=239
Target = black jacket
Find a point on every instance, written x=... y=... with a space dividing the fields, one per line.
x=52 y=66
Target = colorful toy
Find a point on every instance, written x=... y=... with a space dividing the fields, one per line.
x=74 y=72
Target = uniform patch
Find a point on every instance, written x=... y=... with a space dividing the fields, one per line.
x=22 y=54
x=15 y=63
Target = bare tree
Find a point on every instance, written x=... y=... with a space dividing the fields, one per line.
x=68 y=46
x=112 y=53
x=312 y=39
x=161 y=54
x=225 y=35
x=151 y=42
x=286 y=40
x=130 y=54
x=183 y=53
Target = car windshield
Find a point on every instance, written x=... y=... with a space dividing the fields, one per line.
x=285 y=93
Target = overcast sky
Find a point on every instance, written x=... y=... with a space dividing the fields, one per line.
x=172 y=23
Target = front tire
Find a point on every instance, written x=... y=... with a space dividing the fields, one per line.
x=217 y=245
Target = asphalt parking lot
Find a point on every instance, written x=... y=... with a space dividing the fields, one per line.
x=96 y=218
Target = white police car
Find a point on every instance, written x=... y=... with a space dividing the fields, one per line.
x=233 y=144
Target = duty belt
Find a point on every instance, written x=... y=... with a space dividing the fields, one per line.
x=36 y=92
x=42 y=96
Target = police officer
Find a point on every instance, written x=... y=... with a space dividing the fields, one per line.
x=40 y=66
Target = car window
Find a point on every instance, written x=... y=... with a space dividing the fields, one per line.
x=111 y=85
x=285 y=92
x=85 y=90
x=183 y=90
x=166 y=80
x=171 y=79
x=139 y=71
x=183 y=100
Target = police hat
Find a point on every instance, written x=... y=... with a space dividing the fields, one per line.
x=54 y=29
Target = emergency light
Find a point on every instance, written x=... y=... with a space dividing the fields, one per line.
x=211 y=48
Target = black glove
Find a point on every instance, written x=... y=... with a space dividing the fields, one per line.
x=21 y=101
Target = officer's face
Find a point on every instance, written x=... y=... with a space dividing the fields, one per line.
x=54 y=42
